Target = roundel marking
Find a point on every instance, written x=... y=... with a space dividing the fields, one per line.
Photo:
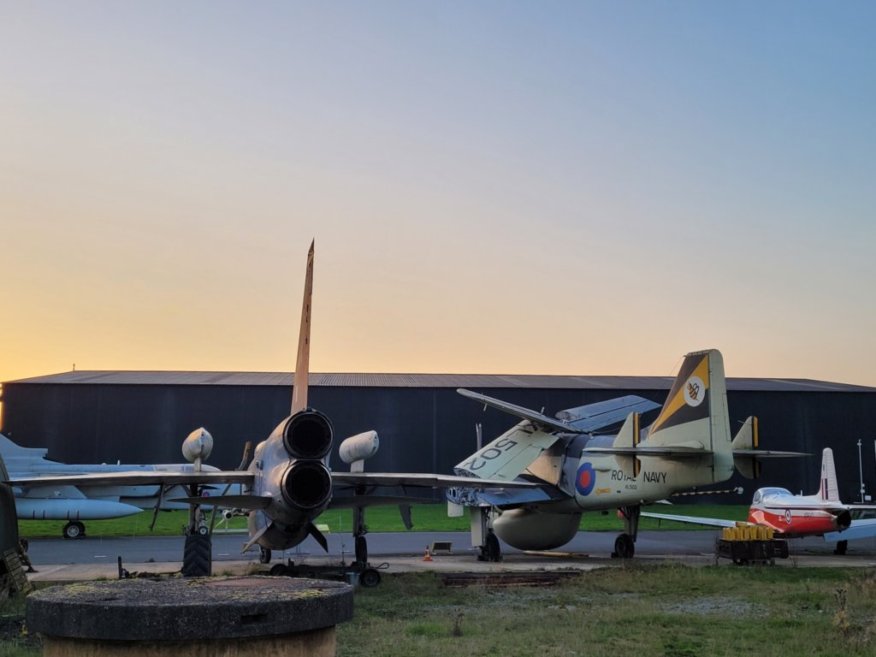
x=788 y=516
x=586 y=479
x=694 y=391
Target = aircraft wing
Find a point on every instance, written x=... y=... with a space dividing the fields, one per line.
x=858 y=529
x=605 y=413
x=583 y=419
x=692 y=520
x=424 y=480
x=540 y=420
x=137 y=478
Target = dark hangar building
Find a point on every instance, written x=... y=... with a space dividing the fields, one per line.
x=423 y=424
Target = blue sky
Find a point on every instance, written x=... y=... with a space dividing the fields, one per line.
x=563 y=187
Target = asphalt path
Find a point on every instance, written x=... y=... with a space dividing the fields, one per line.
x=227 y=547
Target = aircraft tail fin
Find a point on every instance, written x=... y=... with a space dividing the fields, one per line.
x=302 y=365
x=747 y=439
x=828 y=490
x=628 y=437
x=695 y=412
x=747 y=457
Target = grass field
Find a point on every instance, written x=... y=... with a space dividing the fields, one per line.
x=426 y=517
x=659 y=611
x=665 y=611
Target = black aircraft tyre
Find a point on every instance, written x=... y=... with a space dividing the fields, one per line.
x=841 y=547
x=279 y=570
x=369 y=578
x=197 y=556
x=361 y=550
x=624 y=547
x=264 y=555
x=74 y=529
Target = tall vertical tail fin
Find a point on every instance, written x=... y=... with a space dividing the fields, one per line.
x=696 y=411
x=302 y=365
x=828 y=491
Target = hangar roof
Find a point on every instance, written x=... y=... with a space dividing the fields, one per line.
x=354 y=380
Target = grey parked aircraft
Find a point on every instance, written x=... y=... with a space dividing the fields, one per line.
x=288 y=482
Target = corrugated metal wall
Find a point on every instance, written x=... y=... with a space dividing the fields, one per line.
x=421 y=429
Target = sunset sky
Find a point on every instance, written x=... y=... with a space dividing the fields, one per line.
x=496 y=187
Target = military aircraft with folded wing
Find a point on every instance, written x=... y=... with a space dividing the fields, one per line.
x=576 y=469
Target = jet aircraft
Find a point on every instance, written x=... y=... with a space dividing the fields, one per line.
x=288 y=483
x=796 y=516
x=42 y=501
x=576 y=470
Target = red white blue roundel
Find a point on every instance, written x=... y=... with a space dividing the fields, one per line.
x=585 y=480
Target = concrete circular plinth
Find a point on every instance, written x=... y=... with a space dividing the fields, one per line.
x=209 y=616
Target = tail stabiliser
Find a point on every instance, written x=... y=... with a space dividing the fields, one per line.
x=695 y=412
x=747 y=439
x=746 y=455
x=628 y=437
x=828 y=491
x=302 y=365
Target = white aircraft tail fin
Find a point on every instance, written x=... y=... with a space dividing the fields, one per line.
x=828 y=491
x=302 y=365
x=695 y=412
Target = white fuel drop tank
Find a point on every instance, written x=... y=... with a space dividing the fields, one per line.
x=360 y=447
x=197 y=445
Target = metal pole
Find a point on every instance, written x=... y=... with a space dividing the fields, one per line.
x=861 y=470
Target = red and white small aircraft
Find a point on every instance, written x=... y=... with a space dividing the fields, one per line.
x=796 y=516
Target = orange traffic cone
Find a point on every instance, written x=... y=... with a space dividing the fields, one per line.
x=428 y=555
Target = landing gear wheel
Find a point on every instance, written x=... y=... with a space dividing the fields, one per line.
x=203 y=530
x=492 y=549
x=74 y=529
x=264 y=555
x=369 y=578
x=841 y=547
x=624 y=547
x=279 y=570
x=197 y=556
x=362 y=550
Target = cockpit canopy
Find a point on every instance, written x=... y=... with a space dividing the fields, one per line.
x=769 y=492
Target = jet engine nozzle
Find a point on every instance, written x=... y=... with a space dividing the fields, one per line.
x=843 y=520
x=306 y=485
x=197 y=445
x=308 y=435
